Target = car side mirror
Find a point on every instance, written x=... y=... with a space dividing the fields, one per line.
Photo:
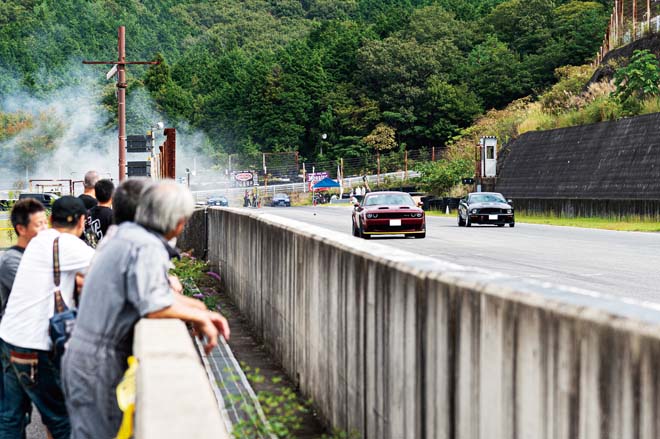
x=509 y=201
x=420 y=204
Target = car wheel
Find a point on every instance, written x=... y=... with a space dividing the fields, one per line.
x=512 y=224
x=468 y=223
x=421 y=235
x=356 y=232
x=461 y=223
x=362 y=235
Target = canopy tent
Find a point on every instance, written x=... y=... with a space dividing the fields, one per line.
x=326 y=183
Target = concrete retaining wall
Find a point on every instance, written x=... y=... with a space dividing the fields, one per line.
x=604 y=169
x=403 y=346
x=616 y=160
x=570 y=208
x=174 y=396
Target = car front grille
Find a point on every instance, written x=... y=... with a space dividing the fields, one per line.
x=394 y=215
x=491 y=210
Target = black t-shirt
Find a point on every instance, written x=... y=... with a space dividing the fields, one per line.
x=98 y=220
x=88 y=200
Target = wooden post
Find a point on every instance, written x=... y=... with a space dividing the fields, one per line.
x=341 y=168
x=405 y=164
x=433 y=153
x=378 y=175
x=622 y=24
x=634 y=20
x=648 y=16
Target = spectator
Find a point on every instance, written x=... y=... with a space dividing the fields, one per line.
x=99 y=217
x=366 y=188
x=28 y=217
x=126 y=198
x=25 y=347
x=246 y=199
x=89 y=195
x=127 y=281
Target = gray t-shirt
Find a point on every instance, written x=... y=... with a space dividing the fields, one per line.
x=8 y=267
x=127 y=280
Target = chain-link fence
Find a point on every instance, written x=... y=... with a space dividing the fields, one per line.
x=630 y=20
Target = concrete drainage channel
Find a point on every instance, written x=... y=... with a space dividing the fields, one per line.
x=231 y=387
x=238 y=402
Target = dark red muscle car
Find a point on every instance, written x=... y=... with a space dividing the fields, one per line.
x=388 y=213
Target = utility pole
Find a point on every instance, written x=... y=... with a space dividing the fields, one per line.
x=120 y=65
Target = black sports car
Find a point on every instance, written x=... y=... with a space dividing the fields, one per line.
x=485 y=208
x=217 y=201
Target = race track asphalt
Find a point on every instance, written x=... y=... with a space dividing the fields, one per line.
x=625 y=264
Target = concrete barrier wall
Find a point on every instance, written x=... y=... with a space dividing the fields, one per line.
x=393 y=345
x=174 y=396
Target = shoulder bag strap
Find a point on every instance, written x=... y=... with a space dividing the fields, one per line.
x=60 y=306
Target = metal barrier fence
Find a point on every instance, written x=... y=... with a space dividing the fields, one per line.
x=289 y=188
x=629 y=22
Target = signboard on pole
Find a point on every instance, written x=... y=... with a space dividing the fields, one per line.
x=315 y=177
x=112 y=72
x=138 y=143
x=243 y=178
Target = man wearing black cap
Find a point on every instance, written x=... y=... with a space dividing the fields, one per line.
x=25 y=347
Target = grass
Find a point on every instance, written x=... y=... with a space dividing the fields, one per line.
x=622 y=225
x=632 y=224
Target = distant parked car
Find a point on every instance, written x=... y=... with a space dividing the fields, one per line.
x=485 y=208
x=217 y=200
x=388 y=213
x=46 y=199
x=281 y=200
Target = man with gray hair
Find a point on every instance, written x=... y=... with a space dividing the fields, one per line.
x=89 y=195
x=127 y=281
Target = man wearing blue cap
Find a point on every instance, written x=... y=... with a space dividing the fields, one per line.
x=25 y=346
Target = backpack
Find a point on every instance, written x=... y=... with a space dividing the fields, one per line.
x=60 y=325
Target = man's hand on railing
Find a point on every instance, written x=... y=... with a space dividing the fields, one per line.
x=211 y=328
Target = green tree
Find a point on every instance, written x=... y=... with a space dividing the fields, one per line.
x=440 y=176
x=495 y=73
x=640 y=78
x=525 y=25
x=382 y=138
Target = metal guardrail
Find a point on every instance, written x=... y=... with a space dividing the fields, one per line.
x=301 y=187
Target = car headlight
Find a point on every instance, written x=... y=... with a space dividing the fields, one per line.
x=372 y=215
x=473 y=211
x=509 y=211
x=369 y=215
x=419 y=214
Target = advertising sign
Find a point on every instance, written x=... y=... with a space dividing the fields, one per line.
x=243 y=178
x=315 y=177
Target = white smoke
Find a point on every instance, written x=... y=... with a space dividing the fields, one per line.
x=86 y=140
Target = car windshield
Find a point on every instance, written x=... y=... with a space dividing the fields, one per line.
x=391 y=199
x=487 y=198
x=280 y=196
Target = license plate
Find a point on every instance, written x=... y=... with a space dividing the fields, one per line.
x=395 y=222
x=492 y=217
